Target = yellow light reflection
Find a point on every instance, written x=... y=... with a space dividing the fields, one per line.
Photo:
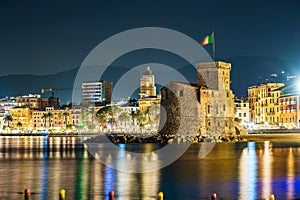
x=266 y=175
x=290 y=174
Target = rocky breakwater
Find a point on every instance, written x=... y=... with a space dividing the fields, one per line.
x=125 y=138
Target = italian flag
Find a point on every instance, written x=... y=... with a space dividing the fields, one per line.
x=208 y=39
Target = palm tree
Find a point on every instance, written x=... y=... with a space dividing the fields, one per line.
x=45 y=115
x=109 y=112
x=8 y=118
x=133 y=115
x=66 y=116
x=154 y=115
x=124 y=117
x=101 y=120
x=83 y=116
x=147 y=114
x=49 y=115
x=19 y=125
x=141 y=118
x=60 y=114
x=91 y=118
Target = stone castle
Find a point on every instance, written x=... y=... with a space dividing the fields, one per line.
x=205 y=107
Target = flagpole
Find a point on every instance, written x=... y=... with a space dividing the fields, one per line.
x=213 y=46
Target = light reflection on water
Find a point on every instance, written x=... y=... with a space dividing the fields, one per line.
x=232 y=170
x=247 y=169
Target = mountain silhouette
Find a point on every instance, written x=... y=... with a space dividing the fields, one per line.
x=246 y=71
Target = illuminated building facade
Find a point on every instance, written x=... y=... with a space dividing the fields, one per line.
x=241 y=107
x=32 y=101
x=289 y=110
x=35 y=102
x=96 y=93
x=55 y=118
x=147 y=94
x=264 y=103
x=21 y=117
x=147 y=84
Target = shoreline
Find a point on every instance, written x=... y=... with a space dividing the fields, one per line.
x=123 y=138
x=273 y=137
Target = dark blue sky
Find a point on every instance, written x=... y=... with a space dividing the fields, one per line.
x=40 y=37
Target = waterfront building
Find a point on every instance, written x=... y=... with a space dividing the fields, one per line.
x=32 y=101
x=148 y=95
x=51 y=119
x=6 y=105
x=289 y=110
x=76 y=116
x=49 y=102
x=36 y=102
x=241 y=108
x=290 y=106
x=21 y=117
x=96 y=93
x=264 y=103
x=211 y=110
x=2 y=122
x=127 y=108
x=148 y=102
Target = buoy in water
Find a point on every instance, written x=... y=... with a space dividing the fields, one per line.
x=160 y=196
x=62 y=194
x=26 y=194
x=111 y=195
x=213 y=196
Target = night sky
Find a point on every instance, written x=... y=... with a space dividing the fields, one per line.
x=43 y=37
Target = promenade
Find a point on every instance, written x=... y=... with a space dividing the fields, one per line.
x=273 y=137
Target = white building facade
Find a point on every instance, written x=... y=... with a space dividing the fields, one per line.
x=96 y=92
x=242 y=112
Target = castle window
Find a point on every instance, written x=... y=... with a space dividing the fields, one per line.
x=181 y=93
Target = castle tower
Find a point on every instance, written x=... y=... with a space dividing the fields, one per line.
x=147 y=84
x=148 y=95
x=221 y=97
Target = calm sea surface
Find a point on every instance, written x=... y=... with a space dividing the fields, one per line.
x=232 y=170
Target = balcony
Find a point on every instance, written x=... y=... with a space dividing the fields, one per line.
x=289 y=111
x=291 y=103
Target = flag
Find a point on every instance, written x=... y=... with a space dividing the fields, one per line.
x=208 y=39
